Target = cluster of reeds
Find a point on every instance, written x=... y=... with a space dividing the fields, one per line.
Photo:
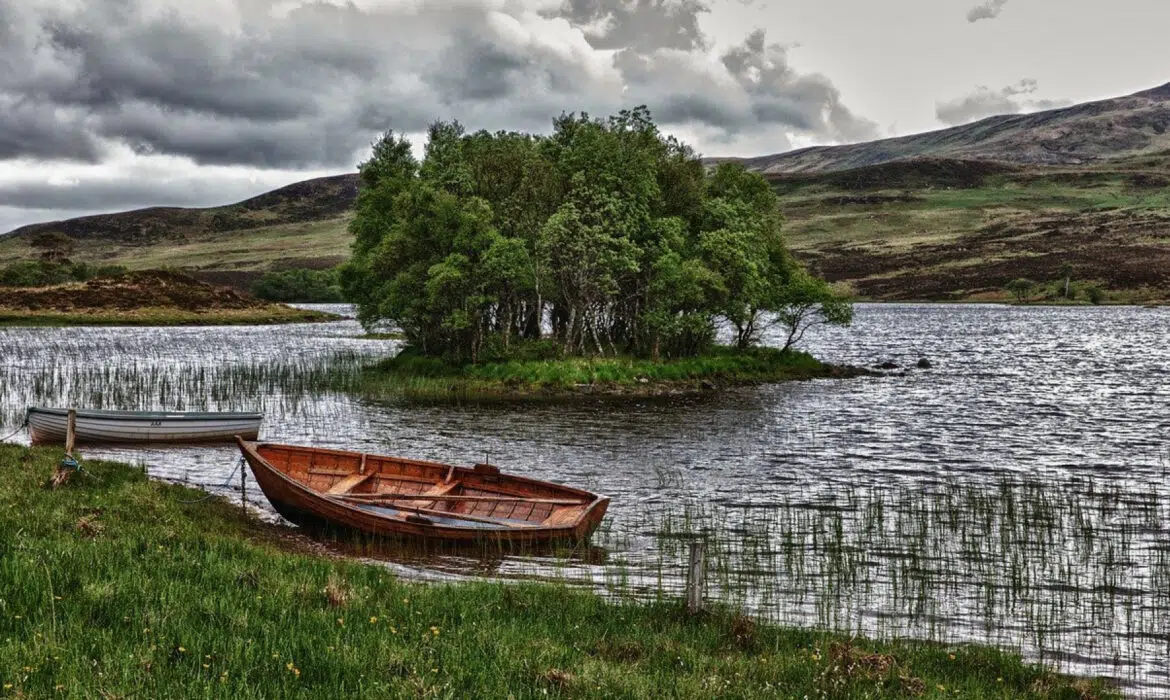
x=176 y=369
x=1076 y=572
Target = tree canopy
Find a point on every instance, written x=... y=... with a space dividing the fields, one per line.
x=606 y=236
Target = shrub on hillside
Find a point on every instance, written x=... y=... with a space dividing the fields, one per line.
x=299 y=285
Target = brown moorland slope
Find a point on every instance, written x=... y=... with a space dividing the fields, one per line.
x=152 y=297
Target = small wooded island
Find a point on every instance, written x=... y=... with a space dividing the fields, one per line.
x=605 y=255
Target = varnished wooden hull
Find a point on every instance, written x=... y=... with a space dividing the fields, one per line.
x=306 y=486
x=48 y=426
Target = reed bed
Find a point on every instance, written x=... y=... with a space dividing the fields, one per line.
x=176 y=369
x=1075 y=573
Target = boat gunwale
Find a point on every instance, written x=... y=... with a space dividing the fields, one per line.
x=118 y=415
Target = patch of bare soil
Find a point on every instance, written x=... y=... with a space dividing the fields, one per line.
x=129 y=291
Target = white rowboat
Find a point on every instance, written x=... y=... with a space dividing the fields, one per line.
x=49 y=425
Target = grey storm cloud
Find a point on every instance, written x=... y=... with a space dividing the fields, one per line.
x=985 y=102
x=641 y=25
x=285 y=85
x=120 y=193
x=988 y=10
x=757 y=90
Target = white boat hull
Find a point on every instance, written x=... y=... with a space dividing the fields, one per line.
x=48 y=426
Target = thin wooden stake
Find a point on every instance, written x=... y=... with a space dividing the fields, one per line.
x=697 y=577
x=71 y=432
x=244 y=488
x=63 y=473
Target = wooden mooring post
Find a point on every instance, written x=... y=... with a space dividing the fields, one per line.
x=697 y=576
x=71 y=432
x=65 y=469
x=243 y=488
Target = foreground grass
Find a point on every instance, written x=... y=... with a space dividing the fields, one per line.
x=163 y=316
x=115 y=586
x=420 y=377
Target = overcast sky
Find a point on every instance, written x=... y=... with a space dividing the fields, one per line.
x=108 y=105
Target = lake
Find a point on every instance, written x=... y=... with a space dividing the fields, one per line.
x=1015 y=493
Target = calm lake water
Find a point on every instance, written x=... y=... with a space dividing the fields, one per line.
x=1016 y=493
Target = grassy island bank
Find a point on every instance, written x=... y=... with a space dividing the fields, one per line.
x=118 y=586
x=152 y=298
x=417 y=377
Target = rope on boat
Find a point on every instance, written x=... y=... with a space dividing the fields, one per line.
x=226 y=483
x=68 y=463
x=18 y=430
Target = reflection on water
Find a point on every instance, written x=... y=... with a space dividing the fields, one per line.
x=1015 y=493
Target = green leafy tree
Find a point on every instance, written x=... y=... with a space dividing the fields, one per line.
x=1021 y=288
x=805 y=301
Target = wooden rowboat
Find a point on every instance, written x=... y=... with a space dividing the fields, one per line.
x=49 y=425
x=395 y=497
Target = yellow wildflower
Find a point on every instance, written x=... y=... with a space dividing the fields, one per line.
x=435 y=631
x=374 y=620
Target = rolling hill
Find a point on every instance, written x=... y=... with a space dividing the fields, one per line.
x=948 y=215
x=302 y=225
x=1072 y=136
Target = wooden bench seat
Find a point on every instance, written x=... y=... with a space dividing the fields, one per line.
x=348 y=484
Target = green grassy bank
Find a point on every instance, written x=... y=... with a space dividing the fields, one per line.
x=164 y=317
x=117 y=586
x=415 y=376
